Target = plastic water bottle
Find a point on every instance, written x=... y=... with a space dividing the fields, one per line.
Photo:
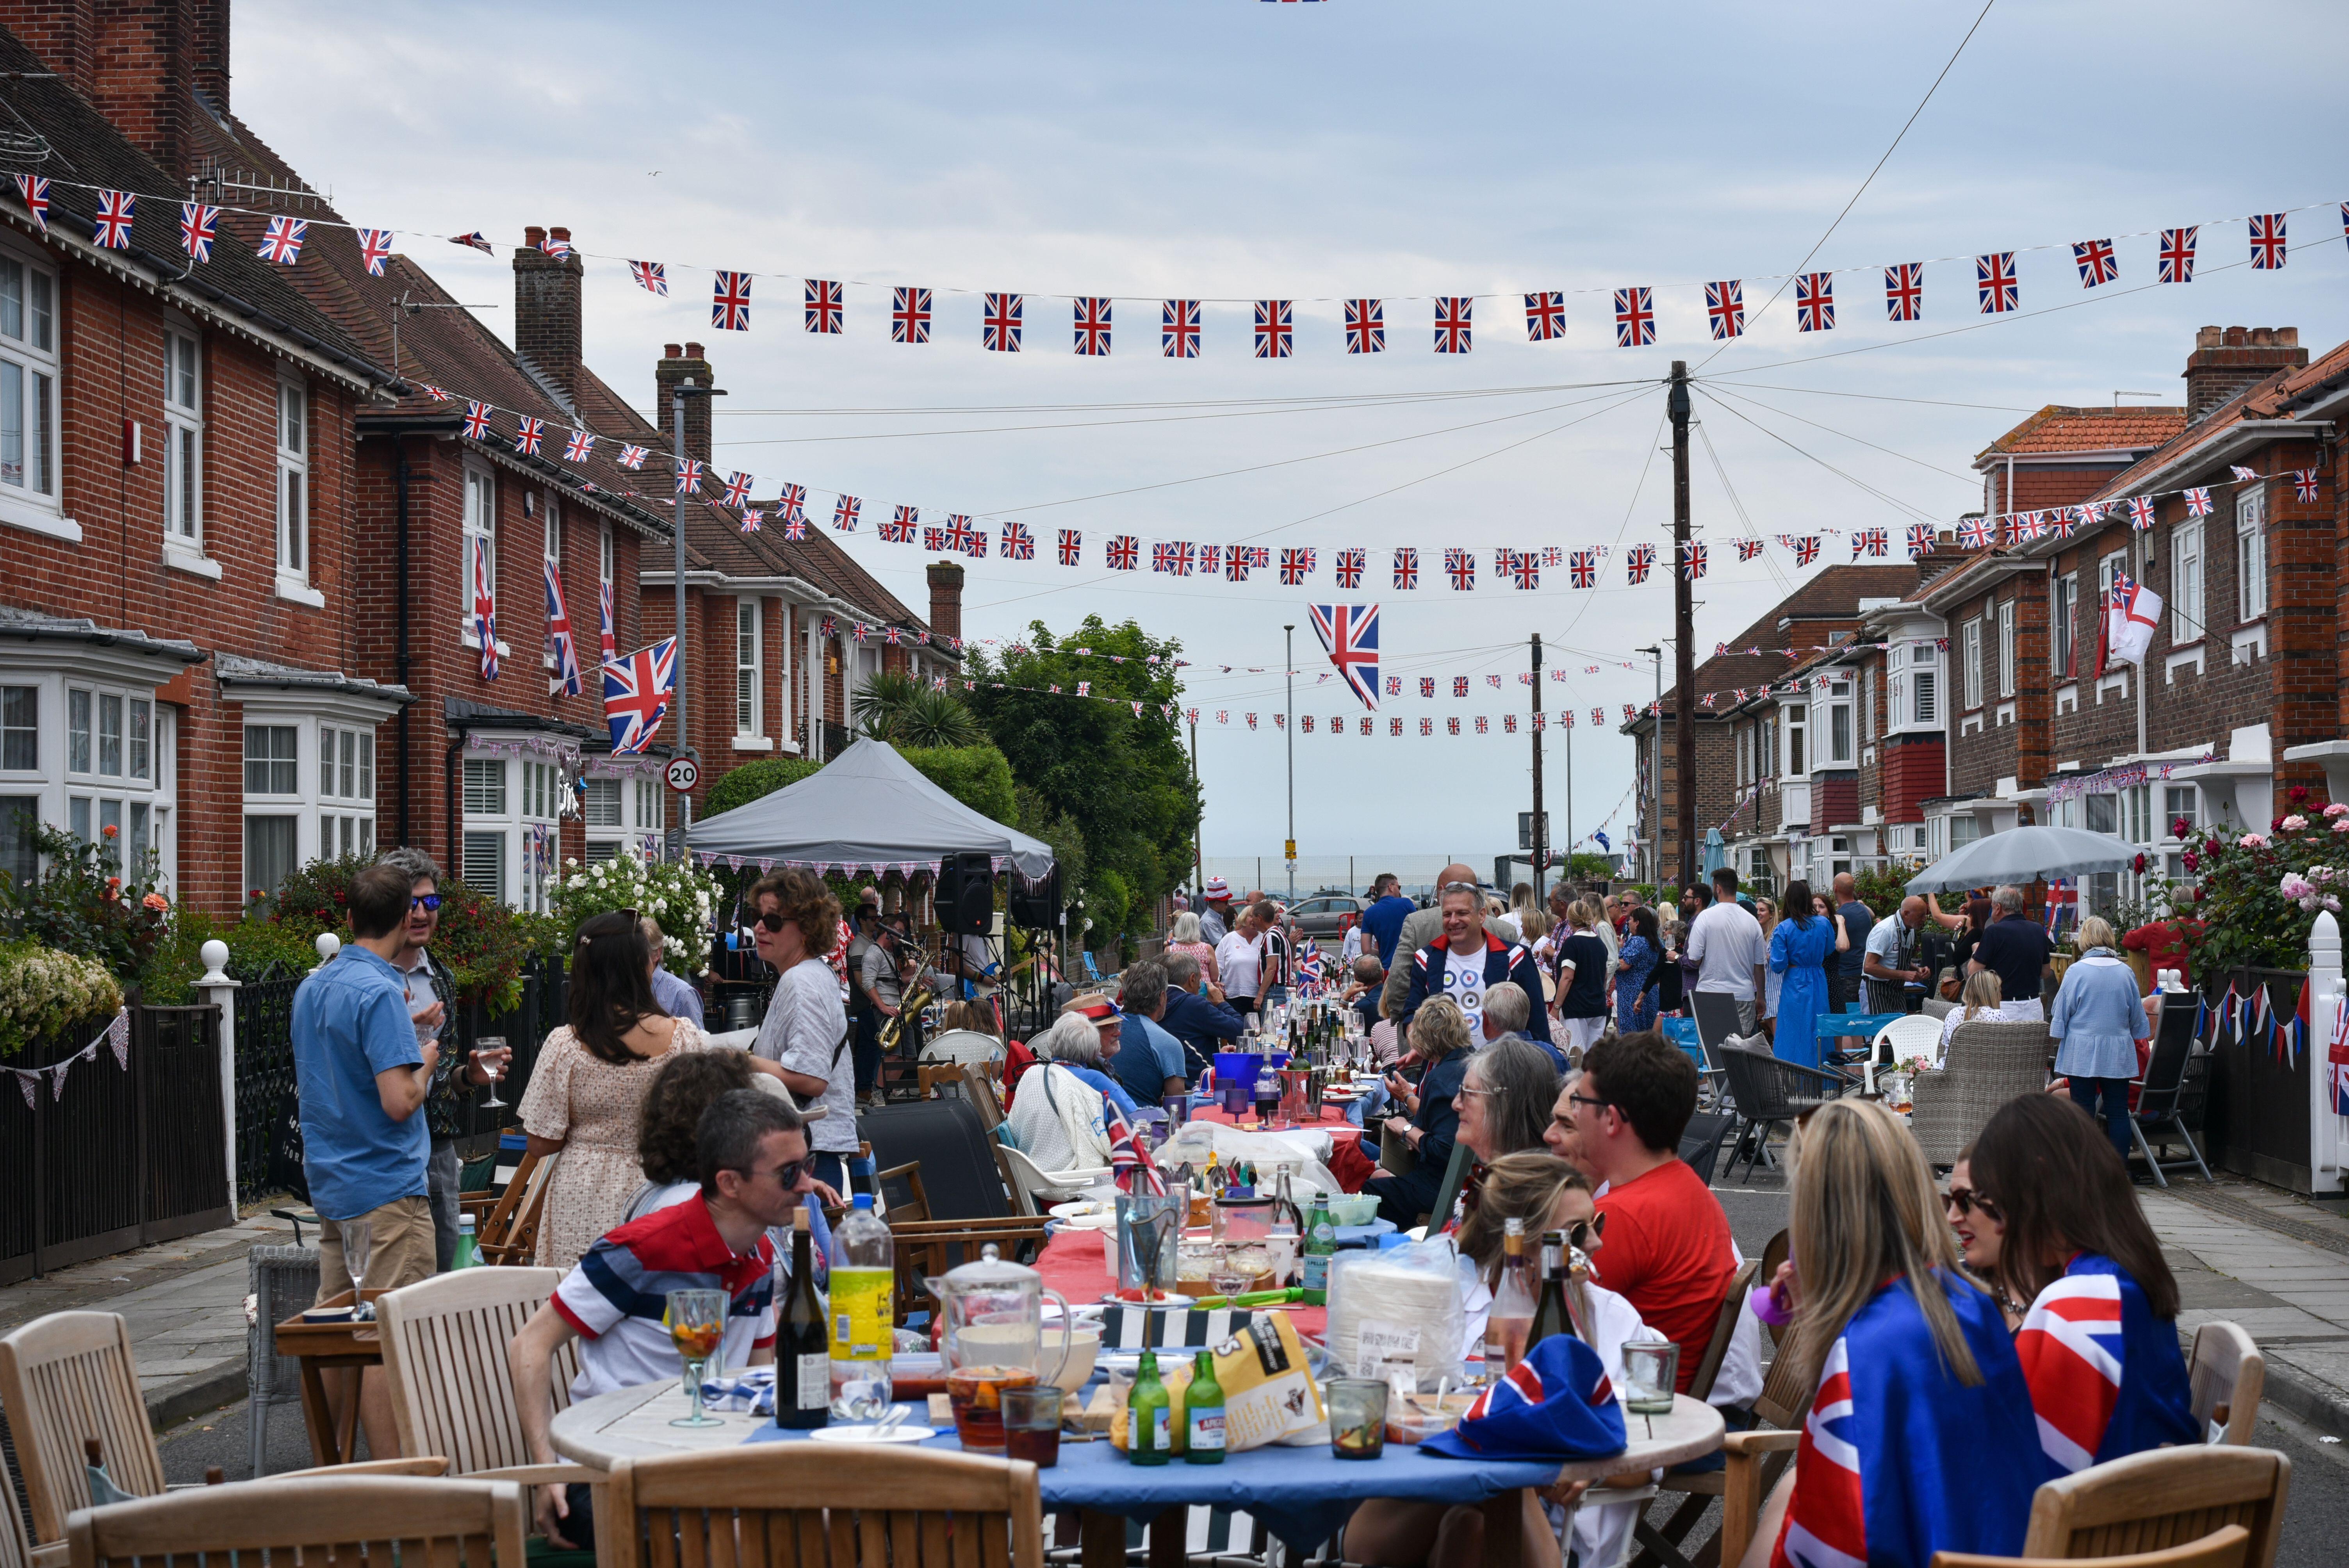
x=468 y=1247
x=864 y=1320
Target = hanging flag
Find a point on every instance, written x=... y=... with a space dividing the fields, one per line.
x=1546 y=315
x=1297 y=564
x=1904 y=291
x=1508 y=724
x=689 y=476
x=737 y=488
x=116 y=209
x=909 y=316
x=1178 y=329
x=281 y=241
x=1092 y=325
x=199 y=227
x=1598 y=716
x=1693 y=563
x=1452 y=332
x=1274 y=329
x=477 y=419
x=485 y=608
x=1406 y=567
x=2131 y=613
x=1724 y=306
x=2140 y=511
x=1814 y=302
x=1366 y=326
x=1525 y=568
x=476 y=241
x=1806 y=549
x=729 y=302
x=2095 y=261
x=1460 y=565
x=651 y=276
x=1019 y=543
x=1635 y=317
x=633 y=457
x=1352 y=564
x=1975 y=533
x=2266 y=242
x=1072 y=542
x=528 y=433
x=2177 y=254
x=845 y=512
x=899 y=529
x=1251 y=719
x=35 y=193
x=1350 y=636
x=576 y=446
x=2304 y=484
x=565 y=678
x=2198 y=501
x=999 y=323
x=826 y=305
x=1994 y=281
x=753 y=520
x=608 y=637
x=1748 y=548
x=636 y=693
x=2244 y=474
x=1125 y=552
x=1582 y=567
x=1638 y=562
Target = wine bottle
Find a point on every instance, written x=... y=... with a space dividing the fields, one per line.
x=1550 y=1314
x=1508 y=1323
x=802 y=1340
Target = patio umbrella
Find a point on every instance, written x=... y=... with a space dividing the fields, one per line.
x=2023 y=855
x=1717 y=854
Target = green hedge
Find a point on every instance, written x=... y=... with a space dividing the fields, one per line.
x=978 y=776
x=752 y=780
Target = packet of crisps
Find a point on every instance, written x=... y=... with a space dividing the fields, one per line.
x=1268 y=1391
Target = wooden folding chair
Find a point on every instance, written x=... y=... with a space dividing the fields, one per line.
x=925 y=1249
x=2224 y=1548
x=1755 y=1459
x=323 y=1519
x=2229 y=1375
x=764 y=1503
x=902 y=1195
x=510 y=1234
x=1660 y=1544
x=931 y=1077
x=66 y=1379
x=453 y=1392
x=2162 y=1497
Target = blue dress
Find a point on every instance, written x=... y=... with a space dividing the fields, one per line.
x=1798 y=952
x=1630 y=1014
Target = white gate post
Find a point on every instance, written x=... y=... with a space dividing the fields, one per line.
x=218 y=989
x=2324 y=1000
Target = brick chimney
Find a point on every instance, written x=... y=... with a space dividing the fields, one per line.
x=946 y=599
x=208 y=50
x=547 y=309
x=135 y=62
x=2226 y=359
x=681 y=365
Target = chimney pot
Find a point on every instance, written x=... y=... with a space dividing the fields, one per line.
x=2207 y=337
x=671 y=350
x=2263 y=337
x=693 y=351
x=560 y=234
x=2234 y=338
x=2227 y=360
x=946 y=599
x=2287 y=336
x=534 y=236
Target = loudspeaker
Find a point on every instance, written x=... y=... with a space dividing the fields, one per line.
x=1037 y=906
x=966 y=895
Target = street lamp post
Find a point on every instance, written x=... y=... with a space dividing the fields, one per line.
x=1289 y=722
x=683 y=669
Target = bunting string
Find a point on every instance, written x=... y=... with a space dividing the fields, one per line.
x=115 y=1036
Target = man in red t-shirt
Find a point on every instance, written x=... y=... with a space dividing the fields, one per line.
x=1667 y=1247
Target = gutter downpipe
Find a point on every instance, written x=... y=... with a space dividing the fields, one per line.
x=448 y=784
x=399 y=475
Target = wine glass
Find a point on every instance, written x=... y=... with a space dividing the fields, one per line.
x=492 y=1043
x=359 y=1239
x=696 y=1325
x=1224 y=1274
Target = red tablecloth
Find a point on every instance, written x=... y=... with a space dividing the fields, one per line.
x=1333 y=1120
x=1076 y=1263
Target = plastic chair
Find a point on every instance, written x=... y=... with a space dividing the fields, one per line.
x=1914 y=1035
x=1051 y=1186
x=323 y=1519
x=1447 y=1191
x=284 y=1279
x=68 y=1379
x=2161 y=1093
x=2229 y=1375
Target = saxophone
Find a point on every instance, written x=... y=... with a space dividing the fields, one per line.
x=917 y=997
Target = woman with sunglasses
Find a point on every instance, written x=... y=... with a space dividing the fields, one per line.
x=2077 y=1248
x=1980 y=1231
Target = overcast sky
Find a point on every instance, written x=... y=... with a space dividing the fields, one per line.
x=1239 y=150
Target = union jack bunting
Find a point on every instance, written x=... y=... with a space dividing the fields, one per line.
x=1162 y=556
x=1583 y=568
x=1635 y=317
x=1814 y=302
x=1237 y=561
x=1223 y=716
x=2090 y=513
x=999 y=321
x=1274 y=329
x=1296 y=565
x=1394 y=686
x=1452 y=322
x=796 y=528
x=1366 y=725
x=2177 y=254
x=1565 y=719
x=2095 y=261
x=1599 y=716
x=737 y=490
x=845 y=513
x=1092 y=325
x=1251 y=719
x=1638 y=562
x=1350 y=636
x=1406 y=567
x=115 y=210
x=1693 y=564
x=1524 y=567
x=899 y=529
x=1975 y=533
x=1546 y=315
x=566 y=678
x=1724 y=306
x=555 y=245
x=1806 y=549
x=1994 y=281
x=199 y=227
x=1352 y=564
x=281 y=241
x=689 y=476
x=576 y=446
x=2198 y=501
x=2304 y=484
x=2266 y=242
x=2242 y=473
x=1508 y=724
x=729 y=302
x=909 y=316
x=790 y=506
x=959 y=533
x=2140 y=512
x=1072 y=546
x=1459 y=685
x=1125 y=552
x=1748 y=548
x=528 y=433
x=477 y=419
x=35 y=193
x=1427 y=726
x=893 y=636
x=753 y=519
x=1630 y=713
x=1481 y=727
x=1460 y=565
x=1019 y=543
x=636 y=693
x=1366 y=326
x=826 y=305
x=485 y=608
x=651 y=276
x=1552 y=555
x=1920 y=541
x=476 y=241
x=1178 y=329
x=1870 y=542
x=1211 y=560
x=633 y=457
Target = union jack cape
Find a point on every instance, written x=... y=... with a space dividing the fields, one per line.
x=2105 y=1376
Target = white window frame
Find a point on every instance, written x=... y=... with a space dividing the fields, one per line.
x=1842 y=748
x=528 y=794
x=749 y=638
x=1867 y=705
x=2187 y=582
x=128 y=784
x=642 y=797
x=2006 y=671
x=480 y=522
x=183 y=440
x=2251 y=555
x=2062 y=625
x=346 y=791
x=293 y=504
x=331 y=818
x=1971 y=636
x=29 y=357
x=1797 y=729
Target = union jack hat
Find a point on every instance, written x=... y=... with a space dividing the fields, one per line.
x=1556 y=1404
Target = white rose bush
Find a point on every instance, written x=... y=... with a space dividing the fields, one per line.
x=682 y=898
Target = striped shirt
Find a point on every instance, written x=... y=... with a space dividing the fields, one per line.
x=617 y=1297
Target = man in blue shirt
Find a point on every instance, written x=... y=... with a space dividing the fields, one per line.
x=1383 y=920
x=1844 y=969
x=1201 y=1023
x=1148 y=1060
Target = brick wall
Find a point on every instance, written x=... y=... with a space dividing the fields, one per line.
x=1834 y=798
x=1914 y=768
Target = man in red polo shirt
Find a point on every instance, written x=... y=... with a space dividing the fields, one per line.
x=1667 y=1249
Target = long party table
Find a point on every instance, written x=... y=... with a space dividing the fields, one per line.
x=1333 y=1120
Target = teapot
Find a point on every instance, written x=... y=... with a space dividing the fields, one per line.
x=991 y=1318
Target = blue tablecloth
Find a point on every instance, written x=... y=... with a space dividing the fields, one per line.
x=1302 y=1495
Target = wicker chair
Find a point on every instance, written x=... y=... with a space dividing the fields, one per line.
x=1770 y=1093
x=1987 y=1065
x=283 y=1280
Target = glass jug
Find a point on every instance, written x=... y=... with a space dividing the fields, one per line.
x=991 y=1320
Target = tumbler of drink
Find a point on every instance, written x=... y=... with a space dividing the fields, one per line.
x=696 y=1325
x=975 y=1393
x=1358 y=1417
x=1031 y=1424
x=1650 y=1369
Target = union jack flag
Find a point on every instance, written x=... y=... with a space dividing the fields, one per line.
x=1724 y=304
x=1637 y=563
x=1427 y=726
x=1459 y=685
x=2245 y=474
x=1352 y=564
x=2304 y=484
x=1920 y=541
x=1237 y=561
x=796 y=528
x=752 y=519
x=1693 y=564
x=846 y=512
x=1904 y=291
x=528 y=433
x=1806 y=549
x=565 y=678
x=2089 y=514
x=2198 y=501
x=826 y=305
x=1019 y=543
x=790 y=505
x=999 y=323
x=1635 y=317
x=1274 y=329
x=485 y=608
x=576 y=446
x=1509 y=723
x=1406 y=567
x=636 y=693
x=1451 y=312
x=2266 y=242
x=1583 y=565
x=1975 y=533
x=1125 y=552
x=1460 y=565
x=476 y=241
x=1870 y=541
x=35 y=193
x=1366 y=326
x=909 y=316
x=729 y=302
x=609 y=629
x=1546 y=315
x=1525 y=566
x=1814 y=302
x=2177 y=255
x=651 y=276
x=1296 y=565
x=1072 y=544
x=1092 y=325
x=633 y=457
x=438 y=394
x=1178 y=329
x=115 y=209
x=2096 y=263
x=1748 y=548
x=737 y=488
x=689 y=476
x=555 y=245
x=1994 y=281
x=959 y=533
x=1162 y=556
x=1131 y=1166
x=281 y=241
x=1427 y=686
x=199 y=227
x=1350 y=635
x=477 y=419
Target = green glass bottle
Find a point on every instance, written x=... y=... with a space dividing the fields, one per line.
x=1202 y=1414
x=1551 y=1315
x=1320 y=1247
x=1149 y=1421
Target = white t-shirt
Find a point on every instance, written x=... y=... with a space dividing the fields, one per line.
x=803 y=1032
x=1464 y=981
x=1726 y=942
x=1240 y=962
x=1351 y=948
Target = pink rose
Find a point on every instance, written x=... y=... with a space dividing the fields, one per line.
x=2336 y=810
x=2294 y=823
x=2251 y=842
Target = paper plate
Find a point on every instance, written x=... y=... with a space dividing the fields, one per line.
x=1080 y=1209
x=903 y=1433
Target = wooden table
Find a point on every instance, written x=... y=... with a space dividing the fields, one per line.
x=321 y=1346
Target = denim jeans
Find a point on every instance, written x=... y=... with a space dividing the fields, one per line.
x=2116 y=1114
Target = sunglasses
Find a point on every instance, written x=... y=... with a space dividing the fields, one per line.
x=1965 y=1200
x=425 y=900
x=787 y=1174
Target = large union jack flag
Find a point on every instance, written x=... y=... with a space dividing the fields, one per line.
x=1352 y=564
x=1460 y=565
x=909 y=316
x=2176 y=254
x=2097 y=261
x=1092 y=325
x=1546 y=315
x=1814 y=302
x=1406 y=567
x=826 y=305
x=1724 y=306
x=1296 y=565
x=1693 y=564
x=1178 y=329
x=999 y=322
x=2266 y=242
x=1638 y=562
x=485 y=608
x=651 y=276
x=636 y=693
x=1019 y=543
x=35 y=189
x=477 y=419
x=529 y=432
x=845 y=513
x=1452 y=322
x=899 y=529
x=116 y=209
x=199 y=227
x=1125 y=552
x=1994 y=281
x=1583 y=568
x=1350 y=636
x=1904 y=291
x=1635 y=317
x=1274 y=329
x=1366 y=326
x=565 y=678
x=729 y=302
x=1072 y=546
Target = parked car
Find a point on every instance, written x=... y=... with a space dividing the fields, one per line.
x=1328 y=913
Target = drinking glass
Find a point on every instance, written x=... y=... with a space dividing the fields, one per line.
x=1224 y=1274
x=1358 y=1417
x=492 y=1043
x=359 y=1239
x=697 y=1325
x=1031 y=1424
x=1650 y=1369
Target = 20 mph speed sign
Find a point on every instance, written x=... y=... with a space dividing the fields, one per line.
x=684 y=773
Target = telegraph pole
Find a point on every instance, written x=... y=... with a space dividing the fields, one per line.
x=1676 y=404
x=1289 y=665
x=1198 y=848
x=1541 y=836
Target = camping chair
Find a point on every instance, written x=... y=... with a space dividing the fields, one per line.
x=1447 y=1191
x=284 y=1279
x=1661 y=1543
x=1768 y=1093
x=2160 y=1094
x=2227 y=1547
x=2160 y=1498
x=66 y=1380
x=323 y=1519
x=2229 y=1375
x=452 y=1393
x=1702 y=1138
x=1716 y=1019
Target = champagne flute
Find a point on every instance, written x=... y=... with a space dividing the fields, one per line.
x=492 y=1043
x=696 y=1325
x=358 y=1238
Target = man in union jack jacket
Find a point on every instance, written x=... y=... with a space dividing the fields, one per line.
x=1466 y=960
